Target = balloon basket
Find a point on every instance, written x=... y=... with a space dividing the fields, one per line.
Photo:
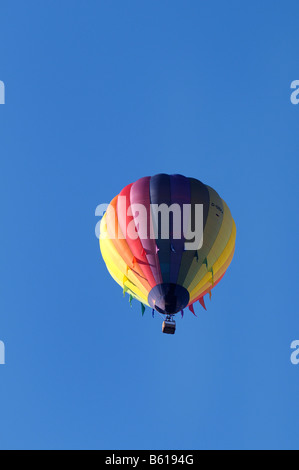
x=169 y=326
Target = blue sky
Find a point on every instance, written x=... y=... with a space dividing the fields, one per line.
x=99 y=94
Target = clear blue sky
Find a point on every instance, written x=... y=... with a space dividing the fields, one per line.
x=99 y=94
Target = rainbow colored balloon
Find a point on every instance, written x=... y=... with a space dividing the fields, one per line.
x=167 y=271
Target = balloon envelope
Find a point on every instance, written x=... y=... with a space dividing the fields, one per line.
x=167 y=240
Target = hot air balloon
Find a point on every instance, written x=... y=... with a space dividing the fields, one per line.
x=167 y=240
